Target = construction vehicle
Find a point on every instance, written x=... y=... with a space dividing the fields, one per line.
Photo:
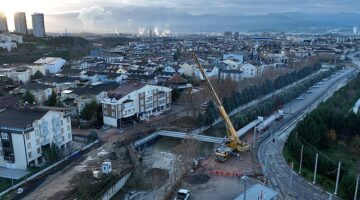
x=232 y=142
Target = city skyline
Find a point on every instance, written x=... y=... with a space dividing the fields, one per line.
x=199 y=7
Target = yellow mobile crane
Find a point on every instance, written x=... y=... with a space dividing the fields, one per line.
x=232 y=142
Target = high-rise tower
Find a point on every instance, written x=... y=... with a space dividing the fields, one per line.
x=20 y=23
x=3 y=22
x=38 y=24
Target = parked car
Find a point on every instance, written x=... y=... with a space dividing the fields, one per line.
x=183 y=194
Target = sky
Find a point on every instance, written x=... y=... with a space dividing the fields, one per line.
x=219 y=7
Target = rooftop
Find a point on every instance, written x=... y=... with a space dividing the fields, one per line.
x=48 y=60
x=124 y=90
x=20 y=118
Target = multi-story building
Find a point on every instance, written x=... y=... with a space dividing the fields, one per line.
x=26 y=133
x=38 y=24
x=51 y=64
x=135 y=102
x=3 y=23
x=20 y=23
x=19 y=74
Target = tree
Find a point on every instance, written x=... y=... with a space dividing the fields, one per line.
x=52 y=101
x=28 y=97
x=37 y=75
x=175 y=94
x=92 y=136
x=90 y=111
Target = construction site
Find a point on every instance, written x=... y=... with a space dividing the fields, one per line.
x=155 y=163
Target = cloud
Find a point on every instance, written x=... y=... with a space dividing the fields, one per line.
x=88 y=16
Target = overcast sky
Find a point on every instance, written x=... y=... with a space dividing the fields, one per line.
x=222 y=7
x=91 y=9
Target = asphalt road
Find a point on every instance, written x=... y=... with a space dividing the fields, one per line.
x=270 y=153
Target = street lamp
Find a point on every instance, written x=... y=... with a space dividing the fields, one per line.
x=245 y=179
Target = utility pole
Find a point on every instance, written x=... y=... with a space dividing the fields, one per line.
x=266 y=162
x=291 y=176
x=254 y=139
x=301 y=158
x=337 y=178
x=316 y=163
x=356 y=187
x=245 y=179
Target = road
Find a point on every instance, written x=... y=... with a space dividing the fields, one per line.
x=270 y=153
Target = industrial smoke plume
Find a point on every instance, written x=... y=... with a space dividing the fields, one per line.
x=89 y=15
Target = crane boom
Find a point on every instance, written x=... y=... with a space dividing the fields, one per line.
x=230 y=128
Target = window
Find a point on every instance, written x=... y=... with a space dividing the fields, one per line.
x=68 y=127
x=69 y=135
x=37 y=133
x=27 y=136
x=63 y=138
x=39 y=150
x=29 y=145
x=29 y=154
x=4 y=136
x=105 y=112
x=38 y=141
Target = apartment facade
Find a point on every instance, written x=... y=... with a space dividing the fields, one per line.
x=135 y=102
x=20 y=23
x=3 y=22
x=25 y=133
x=38 y=24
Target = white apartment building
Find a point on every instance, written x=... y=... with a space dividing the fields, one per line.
x=8 y=45
x=135 y=102
x=26 y=133
x=249 y=70
x=51 y=64
x=9 y=41
x=18 y=74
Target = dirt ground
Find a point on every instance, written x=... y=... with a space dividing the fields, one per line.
x=58 y=184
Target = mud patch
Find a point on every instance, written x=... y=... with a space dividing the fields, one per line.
x=197 y=179
x=157 y=176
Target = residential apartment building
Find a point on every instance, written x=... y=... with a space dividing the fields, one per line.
x=20 y=23
x=25 y=133
x=19 y=74
x=135 y=102
x=3 y=22
x=38 y=24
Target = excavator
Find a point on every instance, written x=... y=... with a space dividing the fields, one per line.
x=232 y=142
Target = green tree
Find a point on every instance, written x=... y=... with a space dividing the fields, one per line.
x=37 y=75
x=52 y=101
x=51 y=153
x=28 y=97
x=175 y=94
x=90 y=111
x=93 y=136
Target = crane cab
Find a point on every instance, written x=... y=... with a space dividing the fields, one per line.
x=223 y=153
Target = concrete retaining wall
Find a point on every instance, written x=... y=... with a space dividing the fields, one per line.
x=115 y=188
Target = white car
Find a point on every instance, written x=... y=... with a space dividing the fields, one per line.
x=183 y=194
x=300 y=98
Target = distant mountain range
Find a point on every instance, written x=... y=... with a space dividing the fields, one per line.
x=133 y=19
